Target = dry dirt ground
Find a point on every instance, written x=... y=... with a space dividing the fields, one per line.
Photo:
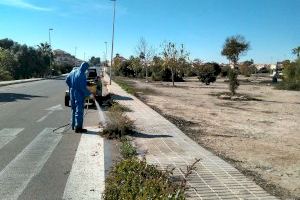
x=261 y=138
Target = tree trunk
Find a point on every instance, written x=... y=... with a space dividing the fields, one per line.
x=146 y=73
x=172 y=70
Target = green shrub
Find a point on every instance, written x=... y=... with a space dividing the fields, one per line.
x=291 y=76
x=127 y=150
x=208 y=72
x=5 y=75
x=134 y=179
x=247 y=70
x=233 y=81
x=225 y=70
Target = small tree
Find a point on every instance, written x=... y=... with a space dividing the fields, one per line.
x=296 y=51
x=145 y=53
x=172 y=56
x=135 y=64
x=233 y=48
x=46 y=52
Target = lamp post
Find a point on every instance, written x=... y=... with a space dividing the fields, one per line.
x=112 y=42
x=50 y=29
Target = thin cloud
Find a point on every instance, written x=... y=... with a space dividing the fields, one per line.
x=90 y=6
x=23 y=4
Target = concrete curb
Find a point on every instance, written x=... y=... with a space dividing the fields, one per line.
x=6 y=83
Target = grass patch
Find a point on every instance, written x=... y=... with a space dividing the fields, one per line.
x=288 y=86
x=135 y=179
x=126 y=85
x=129 y=86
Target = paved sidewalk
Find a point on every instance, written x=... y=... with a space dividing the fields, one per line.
x=165 y=145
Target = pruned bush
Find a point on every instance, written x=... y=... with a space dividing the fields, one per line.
x=135 y=179
x=208 y=72
x=118 y=125
x=233 y=81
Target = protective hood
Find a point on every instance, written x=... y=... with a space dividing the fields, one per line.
x=83 y=67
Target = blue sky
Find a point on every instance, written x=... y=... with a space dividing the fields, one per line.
x=271 y=26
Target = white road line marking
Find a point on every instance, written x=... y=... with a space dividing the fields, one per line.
x=19 y=172
x=86 y=180
x=8 y=134
x=51 y=110
x=44 y=117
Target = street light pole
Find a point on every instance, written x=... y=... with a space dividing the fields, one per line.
x=112 y=42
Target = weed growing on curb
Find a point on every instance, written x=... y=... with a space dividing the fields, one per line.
x=118 y=126
x=116 y=107
x=126 y=149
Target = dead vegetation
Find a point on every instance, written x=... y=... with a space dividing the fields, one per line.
x=259 y=136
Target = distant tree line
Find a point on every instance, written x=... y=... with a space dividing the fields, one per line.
x=21 y=61
x=170 y=64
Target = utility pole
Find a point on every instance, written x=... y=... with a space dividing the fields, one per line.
x=50 y=29
x=112 y=42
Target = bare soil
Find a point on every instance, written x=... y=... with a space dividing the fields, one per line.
x=260 y=137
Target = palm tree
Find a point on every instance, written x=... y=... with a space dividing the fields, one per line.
x=46 y=52
x=296 y=51
x=45 y=48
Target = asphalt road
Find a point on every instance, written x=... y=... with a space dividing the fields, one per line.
x=35 y=163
